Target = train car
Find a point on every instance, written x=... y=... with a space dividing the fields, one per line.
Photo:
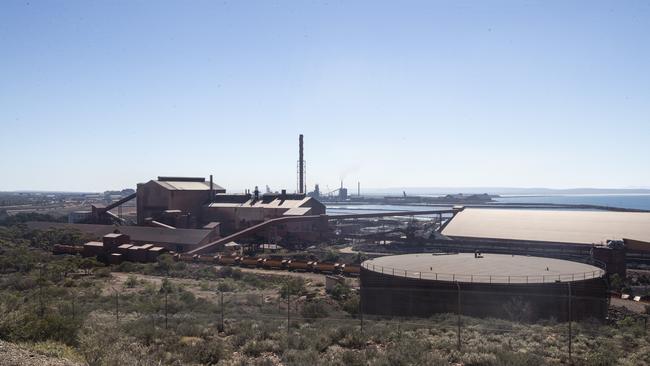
x=250 y=262
x=227 y=260
x=324 y=267
x=273 y=263
x=353 y=270
x=208 y=259
x=184 y=257
x=298 y=265
x=66 y=249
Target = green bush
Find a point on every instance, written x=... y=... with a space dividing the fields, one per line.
x=131 y=281
x=294 y=286
x=340 y=291
x=314 y=310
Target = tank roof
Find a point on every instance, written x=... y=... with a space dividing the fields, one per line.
x=487 y=268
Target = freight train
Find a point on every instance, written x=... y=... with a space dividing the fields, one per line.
x=270 y=263
x=278 y=263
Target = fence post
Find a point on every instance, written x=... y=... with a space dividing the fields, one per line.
x=458 y=285
x=221 y=328
x=41 y=311
x=288 y=311
x=570 y=321
x=73 y=299
x=165 y=309
x=361 y=310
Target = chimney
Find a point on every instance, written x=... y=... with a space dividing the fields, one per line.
x=283 y=195
x=359 y=189
x=256 y=192
x=211 y=189
x=301 y=167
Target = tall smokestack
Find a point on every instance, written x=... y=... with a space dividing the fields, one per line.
x=359 y=189
x=211 y=189
x=301 y=167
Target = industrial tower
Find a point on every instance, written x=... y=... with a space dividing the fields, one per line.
x=302 y=184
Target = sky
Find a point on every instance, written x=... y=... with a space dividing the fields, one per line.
x=98 y=95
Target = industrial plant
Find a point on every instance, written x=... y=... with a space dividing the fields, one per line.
x=423 y=259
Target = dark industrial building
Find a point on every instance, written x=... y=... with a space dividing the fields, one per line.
x=178 y=202
x=178 y=240
x=488 y=285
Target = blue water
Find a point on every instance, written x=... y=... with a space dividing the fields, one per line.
x=623 y=201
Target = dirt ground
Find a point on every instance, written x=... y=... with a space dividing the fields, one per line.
x=314 y=280
x=15 y=355
x=635 y=306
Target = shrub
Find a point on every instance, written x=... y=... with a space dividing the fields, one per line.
x=340 y=291
x=314 y=310
x=131 y=281
x=102 y=272
x=209 y=352
x=351 y=305
x=293 y=286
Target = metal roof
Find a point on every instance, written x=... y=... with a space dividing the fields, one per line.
x=558 y=226
x=274 y=203
x=188 y=186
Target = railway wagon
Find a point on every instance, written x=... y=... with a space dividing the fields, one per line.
x=227 y=260
x=351 y=269
x=66 y=249
x=324 y=267
x=298 y=265
x=250 y=262
x=208 y=259
x=273 y=263
x=186 y=257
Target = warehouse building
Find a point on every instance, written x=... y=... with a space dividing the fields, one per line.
x=550 y=232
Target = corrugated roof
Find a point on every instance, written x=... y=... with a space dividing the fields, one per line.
x=137 y=233
x=559 y=226
x=297 y=211
x=188 y=186
x=275 y=203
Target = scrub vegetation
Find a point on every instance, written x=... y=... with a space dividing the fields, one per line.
x=171 y=313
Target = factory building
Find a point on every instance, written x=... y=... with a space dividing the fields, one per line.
x=175 y=201
x=238 y=212
x=180 y=202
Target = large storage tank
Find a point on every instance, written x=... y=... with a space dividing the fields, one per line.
x=488 y=285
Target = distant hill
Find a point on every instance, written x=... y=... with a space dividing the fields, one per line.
x=502 y=190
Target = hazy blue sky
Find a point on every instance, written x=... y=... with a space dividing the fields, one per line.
x=98 y=95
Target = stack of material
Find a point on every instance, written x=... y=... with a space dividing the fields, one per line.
x=113 y=240
x=115 y=258
x=124 y=249
x=154 y=252
x=93 y=249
